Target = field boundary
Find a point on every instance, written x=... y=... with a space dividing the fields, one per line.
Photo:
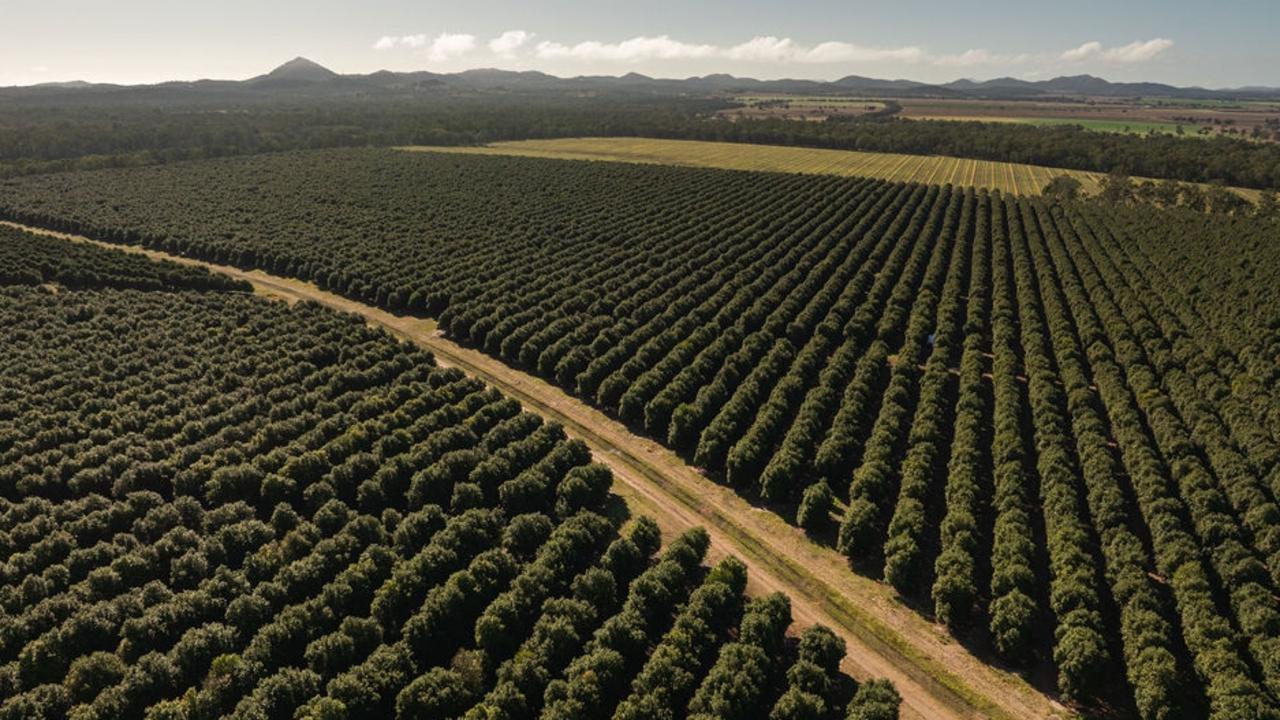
x=938 y=678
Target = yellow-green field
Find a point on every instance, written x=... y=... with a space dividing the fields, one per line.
x=1007 y=177
x=1013 y=178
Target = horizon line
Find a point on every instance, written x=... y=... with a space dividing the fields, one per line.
x=480 y=68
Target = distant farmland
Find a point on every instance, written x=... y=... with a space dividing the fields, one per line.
x=1013 y=178
x=1133 y=127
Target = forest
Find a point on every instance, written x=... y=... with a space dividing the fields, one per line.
x=215 y=505
x=84 y=131
x=1051 y=425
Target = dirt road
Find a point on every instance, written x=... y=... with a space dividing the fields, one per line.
x=938 y=678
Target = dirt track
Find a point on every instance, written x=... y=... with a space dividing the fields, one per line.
x=937 y=677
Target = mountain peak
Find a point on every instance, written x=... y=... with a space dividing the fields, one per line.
x=301 y=68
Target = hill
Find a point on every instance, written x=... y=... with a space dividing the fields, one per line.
x=299 y=68
x=303 y=76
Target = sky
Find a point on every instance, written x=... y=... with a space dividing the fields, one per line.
x=1227 y=43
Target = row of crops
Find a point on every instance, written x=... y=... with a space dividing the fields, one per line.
x=1040 y=422
x=27 y=259
x=213 y=505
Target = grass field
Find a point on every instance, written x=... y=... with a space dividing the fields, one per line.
x=1007 y=177
x=1015 y=178
x=1131 y=127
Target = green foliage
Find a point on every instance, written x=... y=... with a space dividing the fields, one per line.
x=815 y=507
x=1050 y=420
x=1268 y=206
x=183 y=591
x=1117 y=187
x=875 y=700
x=28 y=259
x=1062 y=187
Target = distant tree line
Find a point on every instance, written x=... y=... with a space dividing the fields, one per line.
x=1220 y=159
x=71 y=134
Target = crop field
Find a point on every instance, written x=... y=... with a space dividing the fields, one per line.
x=1115 y=126
x=1198 y=118
x=1011 y=178
x=1054 y=428
x=216 y=505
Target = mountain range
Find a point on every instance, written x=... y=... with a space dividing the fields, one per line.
x=301 y=77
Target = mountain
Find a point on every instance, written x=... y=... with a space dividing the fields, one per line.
x=301 y=78
x=67 y=85
x=299 y=69
x=1071 y=85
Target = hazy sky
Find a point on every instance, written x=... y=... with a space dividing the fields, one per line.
x=1185 y=42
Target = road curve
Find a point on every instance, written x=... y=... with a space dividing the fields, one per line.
x=937 y=678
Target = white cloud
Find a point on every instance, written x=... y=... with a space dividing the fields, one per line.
x=764 y=48
x=773 y=49
x=506 y=44
x=848 y=52
x=1139 y=51
x=447 y=46
x=1086 y=50
x=514 y=44
x=1134 y=52
x=636 y=49
x=442 y=47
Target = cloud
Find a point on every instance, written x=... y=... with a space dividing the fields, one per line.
x=828 y=52
x=514 y=44
x=1083 y=52
x=764 y=48
x=1134 y=52
x=442 y=47
x=1139 y=51
x=636 y=49
x=446 y=46
x=506 y=44
x=773 y=49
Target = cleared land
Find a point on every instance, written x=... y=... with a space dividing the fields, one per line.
x=1198 y=118
x=937 y=677
x=1012 y=178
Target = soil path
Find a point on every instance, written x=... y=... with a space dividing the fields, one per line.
x=937 y=677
